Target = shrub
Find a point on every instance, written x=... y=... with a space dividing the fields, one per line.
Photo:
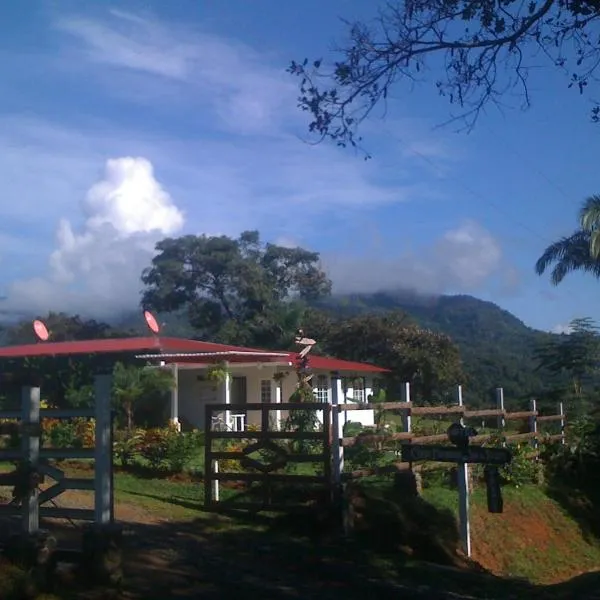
x=62 y=434
x=168 y=448
x=181 y=448
x=153 y=446
x=126 y=446
x=523 y=468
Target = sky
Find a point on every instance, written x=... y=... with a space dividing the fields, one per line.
x=122 y=123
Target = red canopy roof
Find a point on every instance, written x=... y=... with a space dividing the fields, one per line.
x=168 y=345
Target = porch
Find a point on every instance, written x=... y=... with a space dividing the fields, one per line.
x=254 y=383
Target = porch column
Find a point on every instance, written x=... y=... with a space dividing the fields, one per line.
x=226 y=396
x=175 y=397
x=277 y=387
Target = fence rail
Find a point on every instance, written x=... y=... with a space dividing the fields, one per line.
x=407 y=409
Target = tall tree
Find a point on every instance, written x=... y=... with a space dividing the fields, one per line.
x=234 y=290
x=579 y=251
x=131 y=384
x=429 y=361
x=484 y=50
x=572 y=361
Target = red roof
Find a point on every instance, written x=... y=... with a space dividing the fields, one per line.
x=168 y=345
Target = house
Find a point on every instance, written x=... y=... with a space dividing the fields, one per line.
x=247 y=375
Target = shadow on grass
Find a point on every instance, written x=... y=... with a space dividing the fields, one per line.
x=580 y=498
x=395 y=540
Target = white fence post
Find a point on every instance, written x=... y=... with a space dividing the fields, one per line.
x=215 y=482
x=406 y=417
x=337 y=447
x=463 y=493
x=30 y=447
x=561 y=412
x=102 y=450
x=500 y=405
x=533 y=425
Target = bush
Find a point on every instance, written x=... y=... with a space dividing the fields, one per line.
x=181 y=449
x=126 y=446
x=523 y=469
x=168 y=448
x=153 y=446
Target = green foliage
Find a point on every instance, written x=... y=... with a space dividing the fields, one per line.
x=429 y=361
x=578 y=251
x=496 y=348
x=575 y=355
x=64 y=434
x=235 y=290
x=169 y=449
x=131 y=384
x=523 y=469
x=126 y=446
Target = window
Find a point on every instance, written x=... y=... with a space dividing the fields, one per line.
x=265 y=391
x=322 y=389
x=358 y=390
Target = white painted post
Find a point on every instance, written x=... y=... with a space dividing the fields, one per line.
x=463 y=492
x=533 y=428
x=175 y=397
x=30 y=446
x=102 y=450
x=215 y=482
x=278 y=394
x=227 y=395
x=500 y=405
x=337 y=448
x=561 y=412
x=406 y=417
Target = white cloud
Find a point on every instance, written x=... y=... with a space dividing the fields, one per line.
x=562 y=328
x=463 y=260
x=229 y=77
x=218 y=123
x=127 y=212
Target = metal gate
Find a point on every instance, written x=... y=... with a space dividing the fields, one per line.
x=262 y=458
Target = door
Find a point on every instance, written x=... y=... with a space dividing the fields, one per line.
x=238 y=395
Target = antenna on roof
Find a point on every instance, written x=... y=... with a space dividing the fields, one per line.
x=151 y=322
x=40 y=330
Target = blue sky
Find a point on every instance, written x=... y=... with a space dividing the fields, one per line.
x=124 y=122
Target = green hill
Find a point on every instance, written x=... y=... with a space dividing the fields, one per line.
x=496 y=347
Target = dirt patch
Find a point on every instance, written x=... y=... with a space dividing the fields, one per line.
x=539 y=542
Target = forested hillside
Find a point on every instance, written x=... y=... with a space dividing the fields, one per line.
x=496 y=347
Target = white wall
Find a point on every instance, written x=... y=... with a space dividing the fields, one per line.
x=194 y=395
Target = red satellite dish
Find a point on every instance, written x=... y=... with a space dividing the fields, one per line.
x=40 y=330
x=151 y=322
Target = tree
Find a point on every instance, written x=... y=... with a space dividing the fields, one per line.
x=578 y=252
x=485 y=50
x=429 y=361
x=62 y=328
x=575 y=356
x=234 y=290
x=131 y=384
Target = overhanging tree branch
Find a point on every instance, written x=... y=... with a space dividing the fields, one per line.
x=473 y=38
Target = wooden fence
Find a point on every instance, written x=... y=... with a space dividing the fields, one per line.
x=264 y=473
x=407 y=408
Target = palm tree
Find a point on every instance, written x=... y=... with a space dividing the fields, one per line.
x=578 y=252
